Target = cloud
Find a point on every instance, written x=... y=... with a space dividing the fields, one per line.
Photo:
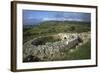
x=57 y=19
x=62 y=19
x=75 y=19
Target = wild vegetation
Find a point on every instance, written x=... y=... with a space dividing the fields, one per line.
x=53 y=27
x=48 y=28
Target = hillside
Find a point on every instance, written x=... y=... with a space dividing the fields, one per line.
x=56 y=40
x=53 y=27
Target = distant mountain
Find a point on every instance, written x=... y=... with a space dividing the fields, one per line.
x=38 y=22
x=63 y=22
x=32 y=21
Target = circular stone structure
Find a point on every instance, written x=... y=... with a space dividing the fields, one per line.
x=49 y=47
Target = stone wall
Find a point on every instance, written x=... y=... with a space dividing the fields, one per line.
x=50 y=51
x=53 y=50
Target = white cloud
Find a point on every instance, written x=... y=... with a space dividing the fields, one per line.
x=74 y=19
x=59 y=19
x=62 y=19
x=30 y=17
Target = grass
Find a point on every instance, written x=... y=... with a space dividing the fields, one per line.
x=82 y=52
x=44 y=40
x=53 y=27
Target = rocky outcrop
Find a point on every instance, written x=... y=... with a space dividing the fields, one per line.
x=51 y=50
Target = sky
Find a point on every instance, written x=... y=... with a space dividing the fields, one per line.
x=31 y=17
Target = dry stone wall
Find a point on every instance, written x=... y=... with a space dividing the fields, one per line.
x=51 y=50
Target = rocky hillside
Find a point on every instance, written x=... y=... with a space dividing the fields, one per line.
x=43 y=49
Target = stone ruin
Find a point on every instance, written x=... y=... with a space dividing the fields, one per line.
x=50 y=50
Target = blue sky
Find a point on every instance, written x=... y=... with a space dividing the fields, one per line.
x=31 y=17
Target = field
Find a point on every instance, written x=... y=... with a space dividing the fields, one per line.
x=49 y=28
